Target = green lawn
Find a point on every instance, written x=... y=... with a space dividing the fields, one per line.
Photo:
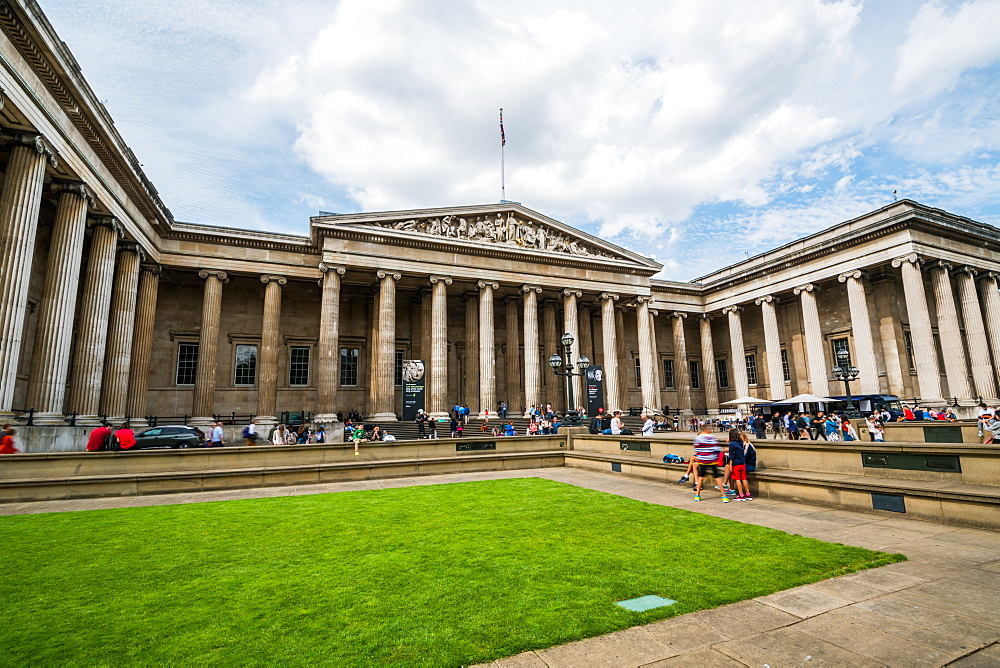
x=437 y=575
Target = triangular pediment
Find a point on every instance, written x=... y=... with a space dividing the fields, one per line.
x=510 y=227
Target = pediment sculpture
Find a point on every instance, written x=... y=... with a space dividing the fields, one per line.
x=509 y=230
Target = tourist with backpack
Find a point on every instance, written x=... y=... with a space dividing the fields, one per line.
x=250 y=433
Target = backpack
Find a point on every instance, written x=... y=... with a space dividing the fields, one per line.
x=672 y=459
x=595 y=426
x=111 y=443
x=246 y=431
x=626 y=431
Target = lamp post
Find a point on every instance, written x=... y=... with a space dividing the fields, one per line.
x=572 y=417
x=845 y=372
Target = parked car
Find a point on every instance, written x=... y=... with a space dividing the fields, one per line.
x=170 y=436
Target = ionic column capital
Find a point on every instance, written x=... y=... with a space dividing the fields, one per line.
x=572 y=292
x=106 y=221
x=151 y=268
x=706 y=317
x=609 y=295
x=528 y=287
x=766 y=299
x=132 y=247
x=653 y=312
x=214 y=273
x=434 y=279
x=642 y=299
x=910 y=258
x=274 y=278
x=78 y=188
x=32 y=140
x=988 y=276
x=966 y=269
x=808 y=287
x=487 y=284
x=678 y=314
x=338 y=268
x=940 y=264
x=383 y=273
x=734 y=309
x=856 y=274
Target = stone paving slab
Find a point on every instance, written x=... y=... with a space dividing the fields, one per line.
x=939 y=606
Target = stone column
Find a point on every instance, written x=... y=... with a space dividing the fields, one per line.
x=737 y=350
x=20 y=201
x=657 y=363
x=439 y=346
x=990 y=299
x=681 y=371
x=975 y=334
x=772 y=346
x=118 y=356
x=208 y=346
x=956 y=366
x=924 y=350
x=384 y=388
x=487 y=351
x=609 y=331
x=814 y=340
x=884 y=293
x=513 y=358
x=861 y=328
x=50 y=360
x=708 y=378
x=532 y=366
x=571 y=322
x=328 y=346
x=471 y=300
x=270 y=343
x=554 y=385
x=142 y=342
x=585 y=327
x=644 y=326
x=623 y=360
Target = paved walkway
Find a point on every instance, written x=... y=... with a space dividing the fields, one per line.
x=942 y=607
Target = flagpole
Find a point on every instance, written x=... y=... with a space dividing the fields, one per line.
x=503 y=142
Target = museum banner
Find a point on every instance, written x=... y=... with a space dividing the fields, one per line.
x=595 y=389
x=414 y=380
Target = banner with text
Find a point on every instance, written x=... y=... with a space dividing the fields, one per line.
x=414 y=380
x=595 y=389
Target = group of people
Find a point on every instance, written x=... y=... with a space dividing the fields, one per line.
x=103 y=437
x=728 y=467
x=288 y=435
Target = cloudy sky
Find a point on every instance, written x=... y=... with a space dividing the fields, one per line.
x=694 y=131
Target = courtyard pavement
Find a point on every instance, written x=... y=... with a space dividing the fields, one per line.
x=942 y=607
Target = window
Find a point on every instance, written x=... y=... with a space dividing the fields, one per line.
x=908 y=342
x=638 y=373
x=298 y=366
x=785 y=371
x=399 y=368
x=695 y=374
x=187 y=363
x=246 y=364
x=721 y=372
x=751 y=369
x=668 y=373
x=838 y=345
x=349 y=366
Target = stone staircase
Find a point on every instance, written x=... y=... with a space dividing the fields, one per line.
x=409 y=430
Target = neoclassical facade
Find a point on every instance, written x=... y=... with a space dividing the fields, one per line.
x=108 y=306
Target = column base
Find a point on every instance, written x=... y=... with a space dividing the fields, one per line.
x=53 y=419
x=266 y=420
x=89 y=421
x=325 y=418
x=383 y=417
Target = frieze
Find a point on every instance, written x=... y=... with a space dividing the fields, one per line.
x=510 y=231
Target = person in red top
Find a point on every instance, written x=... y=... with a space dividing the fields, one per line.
x=98 y=437
x=125 y=436
x=7 y=442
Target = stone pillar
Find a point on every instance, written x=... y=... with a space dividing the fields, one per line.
x=708 y=378
x=681 y=371
x=956 y=366
x=975 y=335
x=585 y=327
x=737 y=350
x=861 y=328
x=772 y=346
x=487 y=351
x=328 y=346
x=142 y=342
x=644 y=326
x=20 y=201
x=609 y=331
x=924 y=350
x=554 y=385
x=270 y=343
x=439 y=346
x=513 y=358
x=990 y=299
x=622 y=358
x=814 y=340
x=890 y=329
x=657 y=363
x=384 y=388
x=471 y=300
x=118 y=356
x=532 y=366
x=571 y=322
x=50 y=360
x=208 y=346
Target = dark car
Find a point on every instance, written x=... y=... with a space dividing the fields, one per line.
x=170 y=436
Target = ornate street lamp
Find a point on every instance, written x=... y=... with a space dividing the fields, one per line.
x=572 y=416
x=845 y=372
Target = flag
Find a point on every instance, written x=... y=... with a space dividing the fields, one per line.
x=503 y=139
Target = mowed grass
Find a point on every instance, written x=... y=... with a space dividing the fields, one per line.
x=437 y=575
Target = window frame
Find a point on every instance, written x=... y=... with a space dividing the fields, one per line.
x=841 y=342
x=292 y=365
x=347 y=366
x=750 y=359
x=694 y=371
x=193 y=363
x=669 y=377
x=722 y=373
x=638 y=372
x=253 y=366
x=786 y=370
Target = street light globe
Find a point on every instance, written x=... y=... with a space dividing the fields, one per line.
x=843 y=356
x=584 y=363
x=555 y=361
x=567 y=339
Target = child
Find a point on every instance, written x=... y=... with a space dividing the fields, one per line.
x=737 y=460
x=708 y=455
x=358 y=434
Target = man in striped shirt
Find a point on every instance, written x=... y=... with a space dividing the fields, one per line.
x=708 y=457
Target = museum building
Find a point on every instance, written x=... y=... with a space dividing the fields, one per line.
x=110 y=307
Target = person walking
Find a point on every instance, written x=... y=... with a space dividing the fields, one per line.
x=7 y=441
x=215 y=438
x=759 y=426
x=250 y=433
x=708 y=455
x=421 y=423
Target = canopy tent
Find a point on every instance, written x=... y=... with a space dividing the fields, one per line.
x=804 y=399
x=744 y=400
